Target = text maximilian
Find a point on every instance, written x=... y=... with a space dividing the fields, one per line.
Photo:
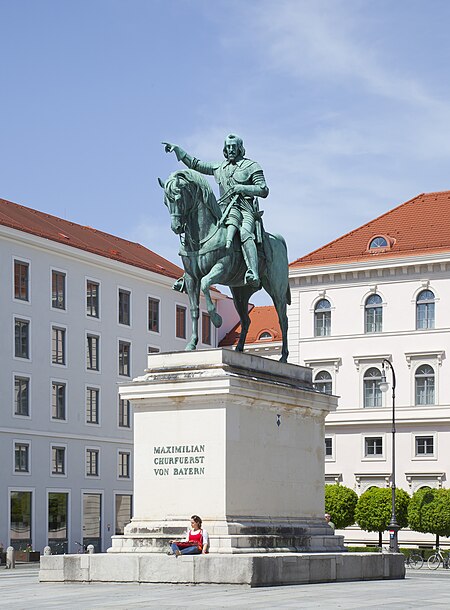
x=180 y=449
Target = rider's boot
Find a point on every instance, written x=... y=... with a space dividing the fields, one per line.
x=231 y=232
x=251 y=260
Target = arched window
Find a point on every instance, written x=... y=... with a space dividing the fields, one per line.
x=378 y=242
x=373 y=314
x=372 y=392
x=323 y=382
x=322 y=318
x=425 y=309
x=265 y=336
x=424 y=378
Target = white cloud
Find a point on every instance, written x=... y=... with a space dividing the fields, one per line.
x=327 y=39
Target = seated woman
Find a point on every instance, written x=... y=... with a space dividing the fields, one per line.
x=195 y=542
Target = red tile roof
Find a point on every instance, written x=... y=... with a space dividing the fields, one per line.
x=84 y=238
x=419 y=226
x=262 y=319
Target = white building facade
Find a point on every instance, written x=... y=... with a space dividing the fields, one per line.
x=381 y=293
x=76 y=320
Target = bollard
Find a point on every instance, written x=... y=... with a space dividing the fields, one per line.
x=10 y=559
x=47 y=550
x=91 y=549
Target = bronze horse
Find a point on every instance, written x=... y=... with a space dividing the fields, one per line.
x=196 y=214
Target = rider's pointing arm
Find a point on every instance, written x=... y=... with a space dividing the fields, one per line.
x=200 y=166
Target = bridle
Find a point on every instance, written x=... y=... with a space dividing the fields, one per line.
x=184 y=217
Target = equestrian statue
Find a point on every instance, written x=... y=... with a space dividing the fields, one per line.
x=223 y=241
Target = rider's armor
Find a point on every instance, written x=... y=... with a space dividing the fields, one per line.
x=243 y=213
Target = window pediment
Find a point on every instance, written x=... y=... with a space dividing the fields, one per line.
x=370 y=359
x=437 y=356
x=324 y=362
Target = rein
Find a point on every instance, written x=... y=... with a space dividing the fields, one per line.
x=210 y=235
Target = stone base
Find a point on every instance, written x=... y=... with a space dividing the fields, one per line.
x=254 y=570
x=251 y=535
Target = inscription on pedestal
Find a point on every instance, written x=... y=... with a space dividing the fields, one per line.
x=179 y=460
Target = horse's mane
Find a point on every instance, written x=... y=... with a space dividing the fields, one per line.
x=194 y=179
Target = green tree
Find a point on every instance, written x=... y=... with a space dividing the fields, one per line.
x=429 y=512
x=419 y=510
x=373 y=511
x=340 y=502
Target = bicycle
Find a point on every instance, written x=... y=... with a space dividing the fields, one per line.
x=82 y=548
x=414 y=561
x=435 y=560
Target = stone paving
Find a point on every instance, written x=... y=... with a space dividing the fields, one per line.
x=20 y=590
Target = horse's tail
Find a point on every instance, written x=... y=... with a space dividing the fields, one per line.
x=281 y=239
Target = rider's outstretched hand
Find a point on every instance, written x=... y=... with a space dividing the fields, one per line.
x=169 y=147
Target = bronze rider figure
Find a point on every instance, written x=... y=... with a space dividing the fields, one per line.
x=241 y=181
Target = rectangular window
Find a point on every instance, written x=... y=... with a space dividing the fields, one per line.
x=92 y=462
x=374 y=320
x=22 y=396
x=124 y=358
x=20 y=520
x=373 y=446
x=58 y=460
x=92 y=299
x=180 y=324
x=21 y=457
x=58 y=290
x=152 y=350
x=21 y=280
x=123 y=513
x=92 y=352
x=124 y=307
x=92 y=405
x=206 y=329
x=58 y=400
x=58 y=505
x=424 y=446
x=153 y=315
x=124 y=465
x=58 y=345
x=124 y=413
x=328 y=447
x=21 y=338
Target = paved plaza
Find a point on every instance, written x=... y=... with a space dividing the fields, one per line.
x=20 y=589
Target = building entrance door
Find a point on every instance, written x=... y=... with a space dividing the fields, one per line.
x=57 y=522
x=92 y=520
x=20 y=521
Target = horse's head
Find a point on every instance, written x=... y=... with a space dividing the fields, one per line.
x=176 y=199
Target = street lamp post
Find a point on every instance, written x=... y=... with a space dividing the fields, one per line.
x=393 y=525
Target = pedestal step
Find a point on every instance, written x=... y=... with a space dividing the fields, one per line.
x=254 y=570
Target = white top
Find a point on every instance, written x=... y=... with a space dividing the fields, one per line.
x=204 y=534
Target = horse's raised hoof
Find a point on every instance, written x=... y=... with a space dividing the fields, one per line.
x=190 y=347
x=216 y=319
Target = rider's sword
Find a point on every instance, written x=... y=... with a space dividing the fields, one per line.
x=228 y=208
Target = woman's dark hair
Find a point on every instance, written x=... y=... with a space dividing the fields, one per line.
x=197 y=520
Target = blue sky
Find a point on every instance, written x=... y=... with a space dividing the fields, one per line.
x=344 y=104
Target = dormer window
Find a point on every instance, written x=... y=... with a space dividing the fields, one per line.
x=265 y=336
x=378 y=242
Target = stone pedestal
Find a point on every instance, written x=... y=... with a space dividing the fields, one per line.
x=239 y=440
x=235 y=438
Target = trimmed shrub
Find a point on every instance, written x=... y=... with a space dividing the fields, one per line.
x=340 y=502
x=429 y=512
x=373 y=511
